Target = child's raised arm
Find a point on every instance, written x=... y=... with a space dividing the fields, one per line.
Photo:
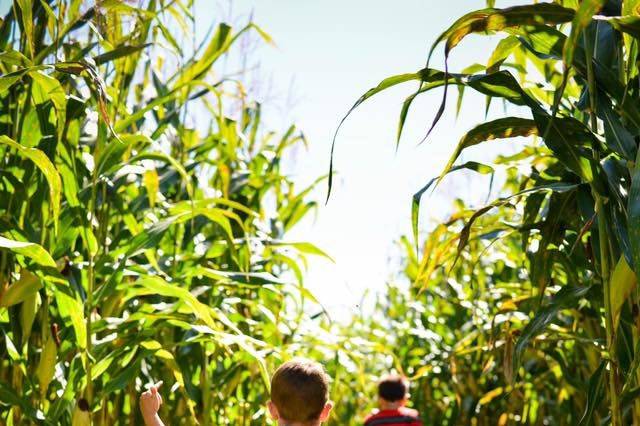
x=150 y=402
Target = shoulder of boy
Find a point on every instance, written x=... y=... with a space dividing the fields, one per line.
x=410 y=412
x=372 y=413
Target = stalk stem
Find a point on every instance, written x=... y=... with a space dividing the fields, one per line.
x=90 y=286
x=603 y=244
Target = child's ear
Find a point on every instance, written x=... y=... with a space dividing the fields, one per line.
x=326 y=411
x=273 y=410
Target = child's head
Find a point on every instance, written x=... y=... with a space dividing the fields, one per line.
x=393 y=390
x=300 y=393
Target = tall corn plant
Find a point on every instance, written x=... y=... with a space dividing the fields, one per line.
x=454 y=331
x=134 y=246
x=572 y=65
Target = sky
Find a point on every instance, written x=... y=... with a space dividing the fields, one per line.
x=327 y=54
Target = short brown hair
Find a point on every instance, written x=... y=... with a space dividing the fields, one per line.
x=393 y=388
x=300 y=390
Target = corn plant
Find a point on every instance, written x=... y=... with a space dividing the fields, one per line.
x=135 y=245
x=573 y=67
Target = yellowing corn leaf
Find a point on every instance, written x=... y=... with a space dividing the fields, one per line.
x=623 y=281
x=27 y=286
x=47 y=365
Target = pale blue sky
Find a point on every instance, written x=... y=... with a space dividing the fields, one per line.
x=333 y=51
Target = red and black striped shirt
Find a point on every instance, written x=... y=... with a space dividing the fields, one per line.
x=400 y=417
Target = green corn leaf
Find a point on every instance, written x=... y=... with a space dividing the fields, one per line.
x=241 y=278
x=567 y=298
x=302 y=247
x=26 y=9
x=46 y=365
x=585 y=12
x=46 y=167
x=72 y=311
x=142 y=241
x=594 y=393
x=117 y=53
x=108 y=160
x=156 y=285
x=547 y=42
x=481 y=21
x=567 y=137
x=417 y=197
x=28 y=312
x=9 y=397
x=169 y=160
x=218 y=45
x=8 y=80
x=126 y=376
x=125 y=9
x=14 y=57
x=503 y=85
x=424 y=75
x=633 y=211
x=618 y=138
x=552 y=187
x=626 y=24
x=501 y=128
x=32 y=251
x=49 y=89
x=487 y=20
x=502 y=51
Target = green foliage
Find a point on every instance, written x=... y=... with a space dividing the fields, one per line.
x=541 y=282
x=135 y=246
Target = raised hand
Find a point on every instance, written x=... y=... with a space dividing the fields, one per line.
x=150 y=402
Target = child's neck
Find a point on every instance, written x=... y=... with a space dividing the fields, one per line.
x=387 y=405
x=285 y=423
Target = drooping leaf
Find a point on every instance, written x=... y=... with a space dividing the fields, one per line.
x=497 y=19
x=491 y=19
x=417 y=197
x=501 y=128
x=424 y=75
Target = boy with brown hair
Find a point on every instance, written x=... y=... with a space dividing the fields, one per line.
x=393 y=395
x=299 y=396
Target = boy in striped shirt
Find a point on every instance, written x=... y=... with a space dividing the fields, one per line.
x=393 y=395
